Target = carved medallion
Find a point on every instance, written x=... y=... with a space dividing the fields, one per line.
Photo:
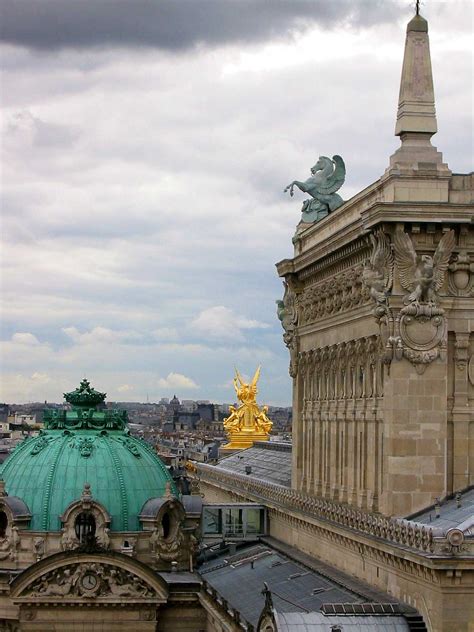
x=461 y=277
x=422 y=332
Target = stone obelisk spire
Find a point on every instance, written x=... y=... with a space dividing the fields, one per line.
x=416 y=116
x=416 y=103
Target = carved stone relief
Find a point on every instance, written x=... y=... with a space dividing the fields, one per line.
x=287 y=312
x=340 y=293
x=38 y=545
x=10 y=544
x=343 y=371
x=461 y=277
x=461 y=350
x=92 y=580
x=418 y=331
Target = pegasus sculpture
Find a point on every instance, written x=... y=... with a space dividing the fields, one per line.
x=327 y=176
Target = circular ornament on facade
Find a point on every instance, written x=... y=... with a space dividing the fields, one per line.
x=89 y=582
x=471 y=370
x=461 y=279
x=455 y=537
x=422 y=332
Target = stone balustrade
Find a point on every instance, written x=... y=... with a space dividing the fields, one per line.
x=396 y=531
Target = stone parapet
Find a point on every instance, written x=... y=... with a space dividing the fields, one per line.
x=402 y=534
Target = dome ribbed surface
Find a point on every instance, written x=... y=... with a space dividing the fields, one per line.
x=48 y=473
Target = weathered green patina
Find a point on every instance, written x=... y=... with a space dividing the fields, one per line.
x=85 y=396
x=85 y=445
x=327 y=176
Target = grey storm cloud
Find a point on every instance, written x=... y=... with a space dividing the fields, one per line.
x=174 y=24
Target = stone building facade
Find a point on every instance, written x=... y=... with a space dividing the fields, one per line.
x=382 y=295
x=378 y=318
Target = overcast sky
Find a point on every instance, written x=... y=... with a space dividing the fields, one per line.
x=146 y=145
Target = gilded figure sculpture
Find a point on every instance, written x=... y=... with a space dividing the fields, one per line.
x=327 y=176
x=248 y=422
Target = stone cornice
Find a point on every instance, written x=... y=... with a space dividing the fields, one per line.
x=340 y=243
x=417 y=213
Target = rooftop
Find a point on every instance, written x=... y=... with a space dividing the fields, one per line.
x=452 y=513
x=319 y=622
x=300 y=594
x=268 y=460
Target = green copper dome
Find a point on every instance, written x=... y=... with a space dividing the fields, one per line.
x=85 y=445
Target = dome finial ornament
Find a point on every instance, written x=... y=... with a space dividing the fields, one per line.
x=84 y=415
x=85 y=396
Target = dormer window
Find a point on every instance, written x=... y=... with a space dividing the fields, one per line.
x=84 y=526
x=3 y=524
x=166 y=525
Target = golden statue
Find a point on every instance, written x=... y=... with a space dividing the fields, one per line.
x=248 y=422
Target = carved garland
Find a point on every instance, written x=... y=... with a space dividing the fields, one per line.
x=340 y=293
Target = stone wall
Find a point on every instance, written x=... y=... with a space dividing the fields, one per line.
x=409 y=562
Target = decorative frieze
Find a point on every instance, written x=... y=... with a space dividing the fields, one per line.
x=348 y=370
x=340 y=293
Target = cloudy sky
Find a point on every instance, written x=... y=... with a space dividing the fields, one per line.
x=146 y=145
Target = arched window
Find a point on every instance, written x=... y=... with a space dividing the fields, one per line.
x=3 y=524
x=85 y=526
x=166 y=525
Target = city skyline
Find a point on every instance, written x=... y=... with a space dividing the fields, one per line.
x=143 y=178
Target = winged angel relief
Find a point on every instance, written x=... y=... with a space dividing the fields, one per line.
x=422 y=275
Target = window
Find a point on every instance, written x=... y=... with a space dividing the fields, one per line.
x=212 y=519
x=85 y=527
x=166 y=525
x=3 y=524
x=255 y=520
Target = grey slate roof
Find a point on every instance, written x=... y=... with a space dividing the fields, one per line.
x=269 y=460
x=450 y=515
x=294 y=587
x=318 y=622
